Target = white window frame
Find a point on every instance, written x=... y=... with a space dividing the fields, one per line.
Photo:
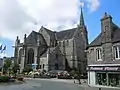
x=118 y=51
x=99 y=52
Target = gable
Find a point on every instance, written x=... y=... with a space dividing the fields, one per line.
x=32 y=38
x=66 y=34
x=50 y=33
x=115 y=37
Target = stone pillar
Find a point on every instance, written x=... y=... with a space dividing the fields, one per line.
x=107 y=79
x=22 y=61
x=48 y=56
x=35 y=62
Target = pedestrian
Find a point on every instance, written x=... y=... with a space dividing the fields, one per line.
x=73 y=79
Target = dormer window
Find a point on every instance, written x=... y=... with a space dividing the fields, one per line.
x=99 y=54
x=117 y=52
x=67 y=43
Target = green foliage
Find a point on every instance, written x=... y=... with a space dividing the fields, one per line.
x=15 y=68
x=0 y=69
x=7 y=64
x=4 y=79
x=72 y=73
x=27 y=68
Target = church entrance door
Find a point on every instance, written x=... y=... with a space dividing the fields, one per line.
x=56 y=66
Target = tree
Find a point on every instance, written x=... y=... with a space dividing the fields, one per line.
x=7 y=64
x=27 y=68
x=15 y=68
x=0 y=69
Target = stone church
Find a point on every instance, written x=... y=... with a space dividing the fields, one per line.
x=52 y=50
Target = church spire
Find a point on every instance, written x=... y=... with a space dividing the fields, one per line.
x=81 y=23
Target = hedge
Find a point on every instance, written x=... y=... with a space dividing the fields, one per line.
x=4 y=79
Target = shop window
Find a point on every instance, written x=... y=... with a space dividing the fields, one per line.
x=114 y=79
x=117 y=52
x=99 y=54
x=108 y=79
x=101 y=79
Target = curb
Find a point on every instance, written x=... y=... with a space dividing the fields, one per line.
x=12 y=83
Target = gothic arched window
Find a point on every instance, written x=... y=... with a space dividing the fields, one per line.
x=30 y=56
x=20 y=56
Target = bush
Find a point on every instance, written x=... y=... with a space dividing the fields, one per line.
x=4 y=79
x=27 y=69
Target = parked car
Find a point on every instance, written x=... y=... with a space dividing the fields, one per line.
x=54 y=73
x=64 y=75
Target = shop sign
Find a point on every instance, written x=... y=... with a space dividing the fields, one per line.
x=95 y=68
x=111 y=68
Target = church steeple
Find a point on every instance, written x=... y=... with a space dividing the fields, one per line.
x=81 y=23
x=83 y=29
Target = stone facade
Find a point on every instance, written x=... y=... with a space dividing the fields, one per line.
x=50 y=50
x=104 y=55
x=106 y=40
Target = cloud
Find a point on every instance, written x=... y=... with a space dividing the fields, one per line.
x=93 y=4
x=12 y=19
x=22 y=16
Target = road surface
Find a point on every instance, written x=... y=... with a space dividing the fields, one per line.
x=37 y=84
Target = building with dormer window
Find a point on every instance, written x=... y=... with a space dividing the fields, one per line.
x=104 y=55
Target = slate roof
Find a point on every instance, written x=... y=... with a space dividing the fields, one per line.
x=51 y=33
x=61 y=35
x=32 y=38
x=115 y=37
x=65 y=34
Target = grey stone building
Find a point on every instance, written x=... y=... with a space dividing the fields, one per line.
x=104 y=55
x=51 y=50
